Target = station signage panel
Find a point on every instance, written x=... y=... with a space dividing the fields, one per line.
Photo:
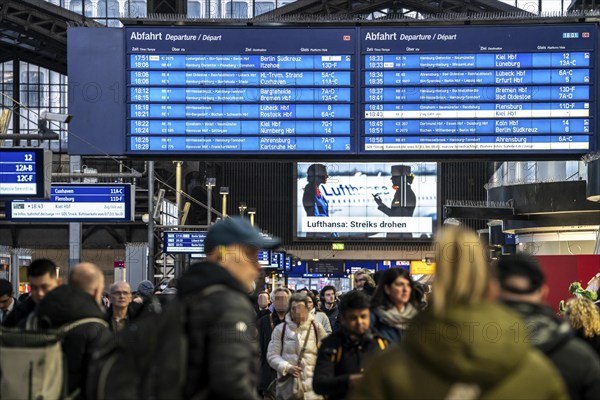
x=462 y=90
x=264 y=258
x=78 y=203
x=524 y=89
x=184 y=242
x=422 y=268
x=278 y=260
x=240 y=90
x=383 y=265
x=354 y=265
x=325 y=267
x=357 y=201
x=24 y=173
x=288 y=263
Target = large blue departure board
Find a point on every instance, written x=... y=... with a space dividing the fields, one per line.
x=240 y=90
x=335 y=91
x=475 y=90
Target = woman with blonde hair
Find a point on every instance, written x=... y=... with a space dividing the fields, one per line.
x=465 y=346
x=584 y=317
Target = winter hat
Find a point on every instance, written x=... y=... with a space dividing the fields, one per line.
x=522 y=265
x=146 y=288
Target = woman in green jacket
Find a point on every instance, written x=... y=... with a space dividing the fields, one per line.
x=465 y=346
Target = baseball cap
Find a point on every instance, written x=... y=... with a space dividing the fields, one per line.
x=237 y=230
x=522 y=265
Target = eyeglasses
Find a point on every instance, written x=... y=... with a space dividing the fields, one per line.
x=124 y=294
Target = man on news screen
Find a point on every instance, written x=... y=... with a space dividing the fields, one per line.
x=405 y=200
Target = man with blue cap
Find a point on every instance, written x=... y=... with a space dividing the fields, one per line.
x=223 y=351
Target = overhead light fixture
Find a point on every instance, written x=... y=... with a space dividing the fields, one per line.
x=224 y=191
x=211 y=182
x=252 y=214
x=242 y=207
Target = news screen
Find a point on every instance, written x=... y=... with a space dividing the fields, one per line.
x=394 y=200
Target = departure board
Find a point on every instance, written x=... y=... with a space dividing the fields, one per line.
x=240 y=90
x=23 y=173
x=78 y=203
x=184 y=242
x=478 y=90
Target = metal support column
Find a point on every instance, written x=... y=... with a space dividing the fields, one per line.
x=210 y=183
x=16 y=115
x=150 y=221
x=75 y=229
x=75 y=238
x=20 y=257
x=15 y=278
x=178 y=165
x=178 y=257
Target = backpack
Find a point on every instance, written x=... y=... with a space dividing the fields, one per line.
x=32 y=364
x=149 y=358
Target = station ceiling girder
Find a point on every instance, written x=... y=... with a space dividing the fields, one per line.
x=361 y=7
x=35 y=31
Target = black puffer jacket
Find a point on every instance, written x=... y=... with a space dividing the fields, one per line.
x=67 y=304
x=223 y=354
x=340 y=356
x=593 y=341
x=578 y=365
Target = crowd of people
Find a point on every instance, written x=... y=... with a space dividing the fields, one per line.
x=483 y=331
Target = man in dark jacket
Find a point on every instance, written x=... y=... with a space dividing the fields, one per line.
x=343 y=354
x=405 y=200
x=262 y=305
x=266 y=324
x=122 y=309
x=223 y=355
x=43 y=278
x=329 y=306
x=7 y=300
x=66 y=304
x=523 y=290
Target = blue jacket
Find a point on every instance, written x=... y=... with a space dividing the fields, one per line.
x=389 y=333
x=315 y=204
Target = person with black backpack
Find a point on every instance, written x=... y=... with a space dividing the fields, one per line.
x=201 y=344
x=78 y=305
